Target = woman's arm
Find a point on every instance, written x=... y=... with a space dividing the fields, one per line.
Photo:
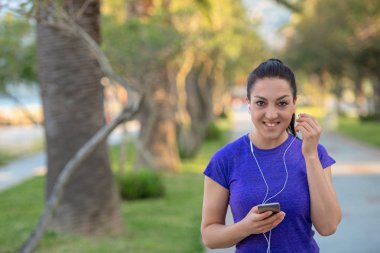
x=325 y=210
x=215 y=234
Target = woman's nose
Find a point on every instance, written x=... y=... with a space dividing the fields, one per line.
x=271 y=113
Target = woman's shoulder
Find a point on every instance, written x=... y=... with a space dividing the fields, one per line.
x=230 y=149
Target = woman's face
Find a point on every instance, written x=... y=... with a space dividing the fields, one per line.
x=271 y=107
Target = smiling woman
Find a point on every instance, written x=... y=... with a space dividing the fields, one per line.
x=271 y=164
x=271 y=107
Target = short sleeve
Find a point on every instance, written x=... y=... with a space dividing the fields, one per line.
x=217 y=171
x=324 y=157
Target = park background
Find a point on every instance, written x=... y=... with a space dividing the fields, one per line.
x=190 y=59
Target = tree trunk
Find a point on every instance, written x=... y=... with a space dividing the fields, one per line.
x=157 y=141
x=72 y=98
x=199 y=107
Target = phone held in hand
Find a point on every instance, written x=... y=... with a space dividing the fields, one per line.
x=274 y=207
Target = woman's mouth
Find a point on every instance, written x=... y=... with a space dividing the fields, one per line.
x=271 y=124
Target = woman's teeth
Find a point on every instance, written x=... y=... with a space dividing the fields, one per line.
x=270 y=124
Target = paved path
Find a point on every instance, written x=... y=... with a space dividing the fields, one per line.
x=356 y=178
x=18 y=171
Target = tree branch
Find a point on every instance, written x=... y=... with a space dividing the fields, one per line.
x=291 y=6
x=55 y=16
x=82 y=154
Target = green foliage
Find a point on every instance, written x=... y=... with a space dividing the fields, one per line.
x=213 y=132
x=139 y=46
x=140 y=184
x=209 y=28
x=335 y=36
x=369 y=118
x=18 y=51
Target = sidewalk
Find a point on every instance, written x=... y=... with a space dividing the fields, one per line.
x=356 y=179
x=23 y=169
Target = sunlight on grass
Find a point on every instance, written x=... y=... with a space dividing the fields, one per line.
x=166 y=225
x=365 y=131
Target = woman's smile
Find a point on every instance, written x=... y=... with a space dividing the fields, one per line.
x=271 y=124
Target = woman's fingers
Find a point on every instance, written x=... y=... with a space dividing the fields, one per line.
x=303 y=117
x=309 y=124
x=260 y=222
x=308 y=129
x=270 y=223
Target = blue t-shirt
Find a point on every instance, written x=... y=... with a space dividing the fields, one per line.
x=234 y=168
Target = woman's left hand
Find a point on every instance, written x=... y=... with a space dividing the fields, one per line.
x=311 y=132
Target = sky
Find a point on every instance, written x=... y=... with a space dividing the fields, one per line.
x=271 y=16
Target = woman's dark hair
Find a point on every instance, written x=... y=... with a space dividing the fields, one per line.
x=269 y=69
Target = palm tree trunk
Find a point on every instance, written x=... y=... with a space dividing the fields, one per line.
x=72 y=98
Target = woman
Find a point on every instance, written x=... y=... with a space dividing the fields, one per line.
x=271 y=164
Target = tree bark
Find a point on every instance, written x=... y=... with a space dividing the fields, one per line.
x=199 y=108
x=157 y=141
x=72 y=98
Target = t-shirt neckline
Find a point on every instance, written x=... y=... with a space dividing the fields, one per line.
x=268 y=151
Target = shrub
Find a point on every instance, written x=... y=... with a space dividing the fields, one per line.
x=369 y=117
x=140 y=184
x=213 y=132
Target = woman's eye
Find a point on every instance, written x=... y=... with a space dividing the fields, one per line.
x=260 y=103
x=283 y=103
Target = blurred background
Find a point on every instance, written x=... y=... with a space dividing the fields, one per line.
x=69 y=68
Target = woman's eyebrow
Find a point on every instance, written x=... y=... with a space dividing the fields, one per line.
x=260 y=97
x=284 y=96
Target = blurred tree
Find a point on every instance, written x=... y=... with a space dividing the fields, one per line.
x=73 y=110
x=196 y=47
x=145 y=46
x=341 y=38
x=17 y=57
x=215 y=50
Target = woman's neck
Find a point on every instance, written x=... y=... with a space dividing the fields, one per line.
x=266 y=143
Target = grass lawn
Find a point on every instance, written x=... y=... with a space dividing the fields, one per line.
x=367 y=131
x=165 y=225
x=9 y=154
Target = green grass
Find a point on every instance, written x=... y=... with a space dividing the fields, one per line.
x=11 y=154
x=165 y=225
x=169 y=224
x=6 y=157
x=367 y=131
x=195 y=165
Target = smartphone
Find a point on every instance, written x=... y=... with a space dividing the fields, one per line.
x=274 y=207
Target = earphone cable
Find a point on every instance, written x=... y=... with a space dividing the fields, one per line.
x=265 y=200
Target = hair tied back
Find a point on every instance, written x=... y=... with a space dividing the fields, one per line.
x=275 y=60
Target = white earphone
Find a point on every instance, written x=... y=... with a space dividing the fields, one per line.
x=265 y=200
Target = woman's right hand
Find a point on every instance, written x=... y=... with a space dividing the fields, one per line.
x=258 y=223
